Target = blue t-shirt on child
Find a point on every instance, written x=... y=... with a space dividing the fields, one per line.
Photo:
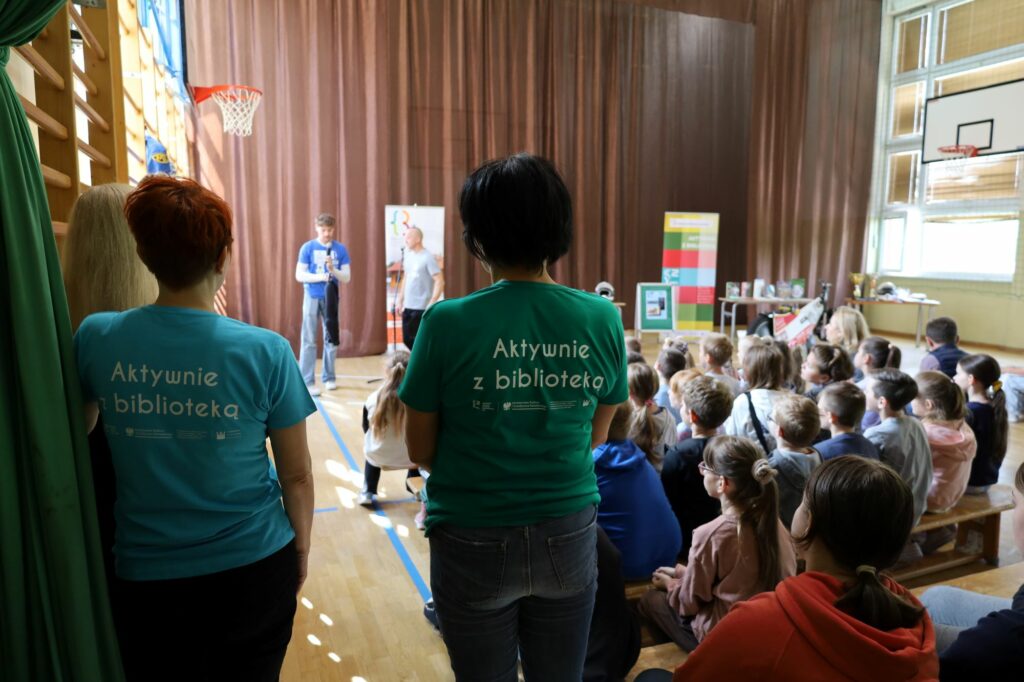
x=187 y=397
x=313 y=255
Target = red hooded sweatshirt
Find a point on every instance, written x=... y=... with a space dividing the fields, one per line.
x=796 y=634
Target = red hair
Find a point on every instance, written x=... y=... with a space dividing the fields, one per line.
x=181 y=228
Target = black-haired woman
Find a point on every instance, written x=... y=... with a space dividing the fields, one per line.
x=841 y=619
x=507 y=391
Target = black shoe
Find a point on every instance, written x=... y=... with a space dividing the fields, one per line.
x=431 y=615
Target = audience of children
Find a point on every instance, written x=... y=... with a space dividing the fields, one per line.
x=651 y=427
x=744 y=551
x=763 y=369
x=842 y=619
x=979 y=637
x=634 y=511
x=978 y=375
x=943 y=350
x=841 y=406
x=825 y=364
x=901 y=440
x=675 y=395
x=847 y=328
x=715 y=355
x=705 y=403
x=795 y=424
x=874 y=353
x=670 y=362
x=384 y=433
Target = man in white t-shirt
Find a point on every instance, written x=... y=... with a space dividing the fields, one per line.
x=422 y=284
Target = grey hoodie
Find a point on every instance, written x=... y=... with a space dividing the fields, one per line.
x=794 y=469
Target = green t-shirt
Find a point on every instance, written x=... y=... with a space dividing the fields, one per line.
x=515 y=372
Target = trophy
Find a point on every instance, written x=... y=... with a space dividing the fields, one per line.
x=857 y=279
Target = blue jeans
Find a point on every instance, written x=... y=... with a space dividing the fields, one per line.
x=526 y=592
x=954 y=610
x=313 y=308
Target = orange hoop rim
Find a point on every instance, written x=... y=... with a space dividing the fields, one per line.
x=962 y=151
x=201 y=93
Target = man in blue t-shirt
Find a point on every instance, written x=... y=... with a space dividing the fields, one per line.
x=323 y=262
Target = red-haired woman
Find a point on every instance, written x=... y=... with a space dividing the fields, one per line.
x=208 y=559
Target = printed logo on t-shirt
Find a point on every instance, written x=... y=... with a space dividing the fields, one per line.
x=142 y=395
x=541 y=366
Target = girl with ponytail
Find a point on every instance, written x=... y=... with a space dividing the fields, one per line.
x=384 y=431
x=825 y=364
x=873 y=355
x=651 y=427
x=978 y=375
x=744 y=551
x=843 y=618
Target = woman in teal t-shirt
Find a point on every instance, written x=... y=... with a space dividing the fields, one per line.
x=208 y=559
x=507 y=392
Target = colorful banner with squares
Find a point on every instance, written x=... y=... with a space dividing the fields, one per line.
x=689 y=256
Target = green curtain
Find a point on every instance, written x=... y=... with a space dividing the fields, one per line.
x=55 y=621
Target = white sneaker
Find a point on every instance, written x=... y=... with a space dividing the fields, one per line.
x=366 y=499
x=330 y=385
x=313 y=390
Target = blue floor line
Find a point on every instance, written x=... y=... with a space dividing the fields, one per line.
x=396 y=542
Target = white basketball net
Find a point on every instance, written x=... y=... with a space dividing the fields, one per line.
x=237 y=107
x=955 y=160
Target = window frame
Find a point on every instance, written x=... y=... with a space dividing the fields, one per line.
x=886 y=144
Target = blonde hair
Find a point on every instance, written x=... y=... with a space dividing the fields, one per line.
x=102 y=271
x=681 y=378
x=719 y=347
x=852 y=326
x=389 y=411
x=798 y=418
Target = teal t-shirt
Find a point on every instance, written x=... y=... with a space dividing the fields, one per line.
x=515 y=372
x=187 y=398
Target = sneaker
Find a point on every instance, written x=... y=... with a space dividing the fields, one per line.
x=330 y=385
x=366 y=499
x=421 y=517
x=431 y=615
x=313 y=390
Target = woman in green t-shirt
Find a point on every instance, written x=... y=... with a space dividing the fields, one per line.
x=507 y=392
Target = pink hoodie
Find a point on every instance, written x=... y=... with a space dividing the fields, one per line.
x=953 y=447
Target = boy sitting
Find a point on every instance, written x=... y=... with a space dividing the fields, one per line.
x=842 y=406
x=670 y=361
x=901 y=440
x=943 y=344
x=706 y=404
x=715 y=354
x=796 y=424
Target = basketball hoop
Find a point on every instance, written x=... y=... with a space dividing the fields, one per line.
x=955 y=156
x=237 y=104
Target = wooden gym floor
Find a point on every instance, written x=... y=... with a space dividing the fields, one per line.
x=360 y=615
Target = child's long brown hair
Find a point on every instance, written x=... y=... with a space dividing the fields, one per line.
x=389 y=412
x=947 y=398
x=643 y=385
x=756 y=493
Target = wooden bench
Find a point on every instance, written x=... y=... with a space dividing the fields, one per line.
x=662 y=656
x=977 y=518
x=997 y=582
x=637 y=588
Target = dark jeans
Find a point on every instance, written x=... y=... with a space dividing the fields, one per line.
x=524 y=591
x=231 y=625
x=410 y=325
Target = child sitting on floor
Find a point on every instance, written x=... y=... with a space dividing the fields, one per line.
x=651 y=427
x=675 y=395
x=943 y=350
x=873 y=354
x=716 y=355
x=796 y=423
x=764 y=367
x=825 y=364
x=841 y=407
x=670 y=362
x=744 y=551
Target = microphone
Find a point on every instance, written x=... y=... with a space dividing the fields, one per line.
x=327 y=261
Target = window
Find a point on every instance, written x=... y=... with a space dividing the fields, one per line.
x=948 y=220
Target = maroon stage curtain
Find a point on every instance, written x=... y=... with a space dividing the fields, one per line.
x=371 y=102
x=644 y=108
